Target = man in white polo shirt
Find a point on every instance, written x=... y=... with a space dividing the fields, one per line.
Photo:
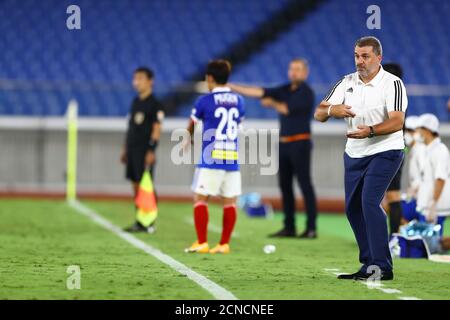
x=433 y=196
x=373 y=103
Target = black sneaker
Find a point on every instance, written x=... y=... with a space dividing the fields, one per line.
x=283 y=233
x=137 y=227
x=353 y=276
x=385 y=276
x=308 y=234
x=360 y=275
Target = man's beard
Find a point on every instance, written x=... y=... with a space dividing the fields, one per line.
x=363 y=72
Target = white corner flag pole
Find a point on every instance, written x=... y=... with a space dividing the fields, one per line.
x=72 y=128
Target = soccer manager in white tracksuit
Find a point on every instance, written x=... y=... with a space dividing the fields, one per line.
x=373 y=103
x=433 y=196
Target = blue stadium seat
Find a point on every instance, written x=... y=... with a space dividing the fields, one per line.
x=44 y=64
x=174 y=37
x=410 y=32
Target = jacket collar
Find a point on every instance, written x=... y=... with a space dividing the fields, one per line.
x=376 y=80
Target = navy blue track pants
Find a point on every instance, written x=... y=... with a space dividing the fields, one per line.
x=366 y=181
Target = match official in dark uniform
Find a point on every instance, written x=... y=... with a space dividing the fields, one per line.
x=143 y=133
x=295 y=103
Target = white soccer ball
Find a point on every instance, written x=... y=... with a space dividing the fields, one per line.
x=270 y=248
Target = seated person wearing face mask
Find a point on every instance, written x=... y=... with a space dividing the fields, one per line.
x=414 y=157
x=433 y=195
x=415 y=148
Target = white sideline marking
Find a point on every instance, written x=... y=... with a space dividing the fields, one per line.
x=213 y=228
x=213 y=288
x=390 y=291
x=370 y=285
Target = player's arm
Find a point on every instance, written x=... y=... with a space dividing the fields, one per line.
x=439 y=184
x=391 y=125
x=271 y=98
x=267 y=100
x=156 y=132
x=325 y=110
x=190 y=127
x=153 y=143
x=150 y=156
x=278 y=106
x=154 y=137
x=332 y=105
x=249 y=91
x=196 y=116
x=186 y=143
x=123 y=154
x=438 y=187
x=396 y=104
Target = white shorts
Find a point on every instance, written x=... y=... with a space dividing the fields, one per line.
x=215 y=182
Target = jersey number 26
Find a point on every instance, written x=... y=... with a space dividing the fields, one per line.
x=228 y=119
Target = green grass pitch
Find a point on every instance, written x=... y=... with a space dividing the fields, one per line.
x=40 y=239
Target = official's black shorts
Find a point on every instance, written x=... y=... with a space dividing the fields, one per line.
x=136 y=163
x=396 y=181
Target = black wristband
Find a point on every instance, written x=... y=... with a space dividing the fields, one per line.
x=152 y=144
x=372 y=132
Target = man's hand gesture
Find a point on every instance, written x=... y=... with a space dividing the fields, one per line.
x=362 y=133
x=341 y=111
